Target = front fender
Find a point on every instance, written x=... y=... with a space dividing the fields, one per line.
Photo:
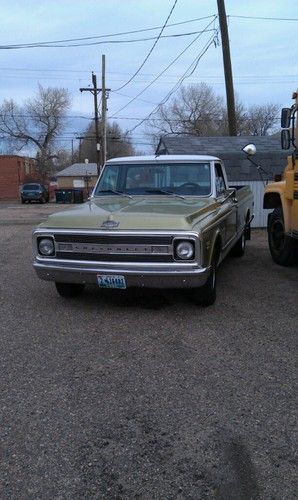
x=275 y=197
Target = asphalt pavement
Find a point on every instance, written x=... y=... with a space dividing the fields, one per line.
x=141 y=394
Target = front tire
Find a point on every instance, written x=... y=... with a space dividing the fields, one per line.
x=69 y=289
x=283 y=249
x=206 y=295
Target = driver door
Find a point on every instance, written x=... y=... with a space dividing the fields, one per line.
x=229 y=207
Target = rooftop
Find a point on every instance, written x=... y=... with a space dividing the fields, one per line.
x=79 y=170
x=269 y=154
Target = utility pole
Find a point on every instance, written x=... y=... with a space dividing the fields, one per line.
x=95 y=92
x=101 y=140
x=71 y=150
x=103 y=110
x=227 y=66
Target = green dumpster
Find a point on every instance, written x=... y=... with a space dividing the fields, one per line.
x=78 y=195
x=64 y=195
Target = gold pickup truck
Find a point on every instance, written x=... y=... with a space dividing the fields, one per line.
x=151 y=221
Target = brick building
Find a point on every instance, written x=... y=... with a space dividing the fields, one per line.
x=14 y=171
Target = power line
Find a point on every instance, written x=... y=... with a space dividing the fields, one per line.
x=143 y=30
x=265 y=18
x=37 y=116
x=262 y=80
x=43 y=70
x=151 y=50
x=177 y=85
x=120 y=33
x=141 y=100
x=162 y=72
x=134 y=40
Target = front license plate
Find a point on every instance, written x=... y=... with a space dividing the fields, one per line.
x=111 y=281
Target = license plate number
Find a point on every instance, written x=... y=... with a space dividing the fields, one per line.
x=111 y=281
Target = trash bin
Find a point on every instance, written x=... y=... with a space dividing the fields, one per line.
x=78 y=195
x=64 y=195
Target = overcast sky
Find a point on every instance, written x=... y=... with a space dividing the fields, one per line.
x=264 y=52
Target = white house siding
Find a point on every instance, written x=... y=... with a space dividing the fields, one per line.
x=257 y=187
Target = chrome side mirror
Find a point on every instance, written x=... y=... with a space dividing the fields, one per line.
x=250 y=149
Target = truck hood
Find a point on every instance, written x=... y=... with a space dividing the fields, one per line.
x=139 y=213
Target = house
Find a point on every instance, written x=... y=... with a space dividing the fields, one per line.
x=78 y=175
x=14 y=171
x=239 y=169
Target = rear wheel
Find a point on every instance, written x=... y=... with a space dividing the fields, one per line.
x=69 y=289
x=23 y=201
x=283 y=249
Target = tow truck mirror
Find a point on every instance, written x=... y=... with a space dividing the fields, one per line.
x=285 y=139
x=285 y=118
x=250 y=149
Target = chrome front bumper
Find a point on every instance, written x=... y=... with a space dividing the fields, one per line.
x=147 y=276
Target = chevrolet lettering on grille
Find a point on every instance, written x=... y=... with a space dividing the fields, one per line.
x=94 y=248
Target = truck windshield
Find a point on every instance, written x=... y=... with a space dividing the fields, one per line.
x=162 y=179
x=31 y=187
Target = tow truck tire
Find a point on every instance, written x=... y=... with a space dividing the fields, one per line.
x=69 y=289
x=283 y=249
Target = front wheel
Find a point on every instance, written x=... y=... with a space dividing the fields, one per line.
x=69 y=289
x=283 y=249
x=206 y=295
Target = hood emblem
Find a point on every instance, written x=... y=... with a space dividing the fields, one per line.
x=110 y=223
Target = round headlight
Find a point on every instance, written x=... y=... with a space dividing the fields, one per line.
x=46 y=246
x=185 y=250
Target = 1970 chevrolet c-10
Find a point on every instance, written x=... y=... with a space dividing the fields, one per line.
x=158 y=222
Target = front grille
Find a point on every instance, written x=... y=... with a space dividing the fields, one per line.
x=108 y=239
x=114 y=248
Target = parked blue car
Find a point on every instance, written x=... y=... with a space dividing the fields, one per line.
x=34 y=192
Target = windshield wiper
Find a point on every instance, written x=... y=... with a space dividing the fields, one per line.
x=163 y=191
x=115 y=192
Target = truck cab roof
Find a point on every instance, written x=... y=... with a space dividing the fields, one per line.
x=163 y=159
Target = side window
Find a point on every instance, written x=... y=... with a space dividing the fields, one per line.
x=219 y=180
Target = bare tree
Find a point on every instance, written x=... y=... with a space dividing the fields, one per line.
x=118 y=143
x=36 y=124
x=197 y=110
x=261 y=119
